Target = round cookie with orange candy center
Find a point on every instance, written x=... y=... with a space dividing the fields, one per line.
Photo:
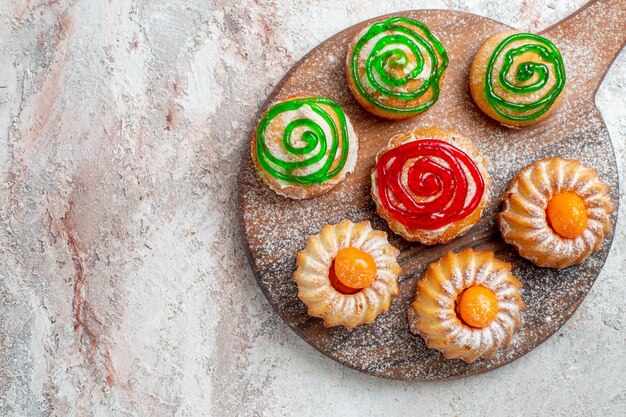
x=556 y=212
x=467 y=305
x=347 y=274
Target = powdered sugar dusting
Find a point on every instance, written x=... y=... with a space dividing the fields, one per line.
x=543 y=179
x=277 y=228
x=467 y=269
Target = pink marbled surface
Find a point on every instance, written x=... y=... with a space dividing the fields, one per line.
x=124 y=288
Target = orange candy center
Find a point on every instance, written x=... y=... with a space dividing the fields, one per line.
x=477 y=306
x=567 y=214
x=352 y=270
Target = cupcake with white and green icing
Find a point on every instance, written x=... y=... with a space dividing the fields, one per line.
x=304 y=146
x=395 y=68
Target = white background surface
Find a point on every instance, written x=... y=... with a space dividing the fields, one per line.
x=124 y=288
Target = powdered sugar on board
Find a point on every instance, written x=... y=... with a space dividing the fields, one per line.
x=277 y=228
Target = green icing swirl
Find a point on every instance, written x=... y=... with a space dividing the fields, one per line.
x=549 y=55
x=390 y=52
x=312 y=135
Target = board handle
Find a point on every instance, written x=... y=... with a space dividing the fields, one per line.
x=591 y=37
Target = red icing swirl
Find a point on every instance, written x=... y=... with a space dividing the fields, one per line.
x=436 y=188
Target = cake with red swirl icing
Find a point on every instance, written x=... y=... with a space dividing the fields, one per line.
x=430 y=185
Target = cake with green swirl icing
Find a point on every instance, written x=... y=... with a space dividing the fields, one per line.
x=517 y=78
x=395 y=67
x=304 y=146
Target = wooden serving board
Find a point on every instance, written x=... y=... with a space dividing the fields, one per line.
x=275 y=228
